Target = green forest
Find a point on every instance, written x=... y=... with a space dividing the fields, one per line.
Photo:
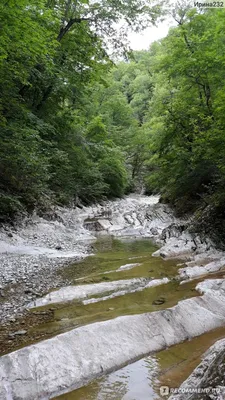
x=83 y=118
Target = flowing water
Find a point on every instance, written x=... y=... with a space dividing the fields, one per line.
x=111 y=255
x=142 y=379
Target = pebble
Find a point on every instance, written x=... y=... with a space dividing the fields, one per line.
x=159 y=301
x=20 y=333
x=27 y=291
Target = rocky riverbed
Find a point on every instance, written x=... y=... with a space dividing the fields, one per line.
x=34 y=250
x=34 y=257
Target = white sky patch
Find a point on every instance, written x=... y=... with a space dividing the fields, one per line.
x=142 y=41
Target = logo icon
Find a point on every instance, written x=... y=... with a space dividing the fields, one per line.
x=164 y=390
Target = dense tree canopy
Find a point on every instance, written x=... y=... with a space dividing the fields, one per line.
x=51 y=54
x=186 y=115
x=165 y=107
x=187 y=108
x=76 y=127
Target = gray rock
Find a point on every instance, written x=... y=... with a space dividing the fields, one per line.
x=71 y=359
x=208 y=378
x=154 y=231
x=20 y=333
x=159 y=301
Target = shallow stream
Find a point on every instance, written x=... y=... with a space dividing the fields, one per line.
x=142 y=379
x=111 y=255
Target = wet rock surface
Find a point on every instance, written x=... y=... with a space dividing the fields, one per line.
x=34 y=253
x=83 y=291
x=35 y=250
x=208 y=380
x=159 y=301
x=71 y=359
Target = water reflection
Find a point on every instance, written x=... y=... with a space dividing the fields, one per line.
x=111 y=255
x=133 y=382
x=142 y=379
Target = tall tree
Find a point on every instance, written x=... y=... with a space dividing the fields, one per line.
x=52 y=53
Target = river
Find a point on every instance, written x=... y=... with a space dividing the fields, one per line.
x=125 y=325
x=140 y=380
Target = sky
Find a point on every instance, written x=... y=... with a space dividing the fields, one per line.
x=142 y=41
